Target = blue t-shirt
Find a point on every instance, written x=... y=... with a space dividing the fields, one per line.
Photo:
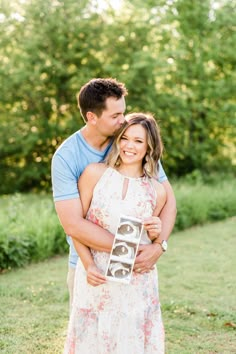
x=68 y=163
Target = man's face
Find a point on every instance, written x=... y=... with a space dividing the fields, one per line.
x=112 y=117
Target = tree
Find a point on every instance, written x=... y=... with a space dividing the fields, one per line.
x=176 y=58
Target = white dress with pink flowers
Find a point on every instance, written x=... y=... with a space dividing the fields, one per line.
x=117 y=318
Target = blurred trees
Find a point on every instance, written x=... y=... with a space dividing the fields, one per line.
x=177 y=60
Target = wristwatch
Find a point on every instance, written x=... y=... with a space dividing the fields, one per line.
x=163 y=244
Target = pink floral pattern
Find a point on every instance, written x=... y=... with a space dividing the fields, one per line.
x=117 y=318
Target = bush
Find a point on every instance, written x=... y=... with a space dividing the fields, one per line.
x=30 y=230
x=198 y=202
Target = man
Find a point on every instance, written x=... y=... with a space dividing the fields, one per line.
x=102 y=106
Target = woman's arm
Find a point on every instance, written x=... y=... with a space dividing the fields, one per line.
x=153 y=224
x=86 y=184
x=168 y=212
x=161 y=198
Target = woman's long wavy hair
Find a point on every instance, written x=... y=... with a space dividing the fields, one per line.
x=155 y=146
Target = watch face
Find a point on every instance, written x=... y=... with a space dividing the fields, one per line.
x=164 y=245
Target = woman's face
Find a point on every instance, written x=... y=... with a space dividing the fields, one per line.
x=133 y=144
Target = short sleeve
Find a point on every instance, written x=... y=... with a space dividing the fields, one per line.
x=64 y=180
x=161 y=173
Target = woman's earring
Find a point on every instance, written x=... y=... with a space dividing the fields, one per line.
x=117 y=164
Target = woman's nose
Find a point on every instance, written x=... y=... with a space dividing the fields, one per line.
x=129 y=143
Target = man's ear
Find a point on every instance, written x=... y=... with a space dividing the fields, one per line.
x=91 y=117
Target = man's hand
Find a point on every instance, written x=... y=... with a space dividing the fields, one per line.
x=152 y=225
x=147 y=257
x=94 y=276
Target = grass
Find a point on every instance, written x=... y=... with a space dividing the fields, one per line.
x=197 y=283
x=34 y=308
x=197 y=290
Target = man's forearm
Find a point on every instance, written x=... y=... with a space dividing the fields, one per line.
x=70 y=214
x=91 y=235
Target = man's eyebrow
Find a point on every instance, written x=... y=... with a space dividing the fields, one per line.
x=113 y=114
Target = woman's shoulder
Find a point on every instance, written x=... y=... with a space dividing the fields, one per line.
x=94 y=170
x=160 y=189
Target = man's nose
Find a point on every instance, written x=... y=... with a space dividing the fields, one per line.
x=121 y=119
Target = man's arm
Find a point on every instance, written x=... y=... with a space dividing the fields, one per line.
x=70 y=214
x=68 y=204
x=150 y=253
x=86 y=185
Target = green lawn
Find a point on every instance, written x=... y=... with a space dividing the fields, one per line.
x=197 y=286
x=198 y=290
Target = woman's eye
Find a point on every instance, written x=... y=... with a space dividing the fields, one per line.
x=123 y=138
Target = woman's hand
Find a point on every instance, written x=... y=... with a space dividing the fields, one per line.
x=153 y=227
x=94 y=276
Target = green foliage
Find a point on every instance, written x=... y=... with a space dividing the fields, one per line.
x=199 y=203
x=30 y=230
x=176 y=58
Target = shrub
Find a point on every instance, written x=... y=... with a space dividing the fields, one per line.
x=30 y=230
x=198 y=203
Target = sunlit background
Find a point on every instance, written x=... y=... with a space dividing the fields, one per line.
x=176 y=58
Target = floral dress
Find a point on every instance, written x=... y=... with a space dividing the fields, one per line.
x=117 y=318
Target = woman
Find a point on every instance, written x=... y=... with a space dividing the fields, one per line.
x=110 y=317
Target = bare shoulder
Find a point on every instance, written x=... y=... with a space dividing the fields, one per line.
x=161 y=196
x=160 y=189
x=92 y=173
x=95 y=169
